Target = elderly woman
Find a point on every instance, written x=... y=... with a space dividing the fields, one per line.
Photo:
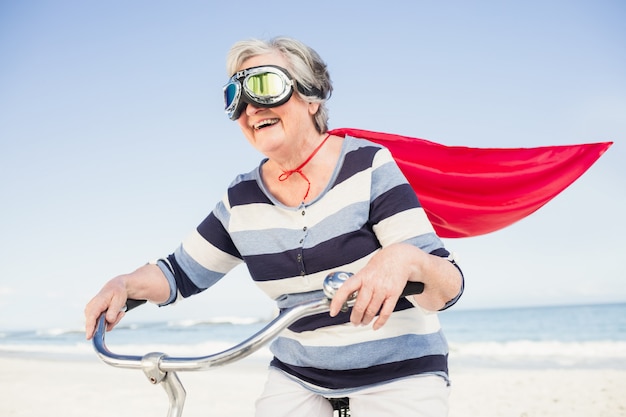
x=317 y=203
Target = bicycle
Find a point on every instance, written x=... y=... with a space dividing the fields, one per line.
x=160 y=368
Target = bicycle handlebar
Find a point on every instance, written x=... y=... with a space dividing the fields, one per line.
x=240 y=351
x=159 y=367
x=243 y=349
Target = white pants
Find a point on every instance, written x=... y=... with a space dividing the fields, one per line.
x=423 y=396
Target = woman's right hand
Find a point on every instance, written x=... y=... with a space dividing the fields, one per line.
x=145 y=283
x=112 y=299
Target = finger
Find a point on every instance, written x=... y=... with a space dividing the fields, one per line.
x=385 y=312
x=90 y=326
x=359 y=310
x=115 y=307
x=373 y=308
x=344 y=292
x=93 y=309
x=112 y=324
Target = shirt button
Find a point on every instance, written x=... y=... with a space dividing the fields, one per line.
x=304 y=229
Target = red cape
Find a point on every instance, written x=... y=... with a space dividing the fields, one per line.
x=473 y=191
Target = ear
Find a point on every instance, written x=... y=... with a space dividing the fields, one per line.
x=313 y=108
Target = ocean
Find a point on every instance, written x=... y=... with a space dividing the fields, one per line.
x=582 y=336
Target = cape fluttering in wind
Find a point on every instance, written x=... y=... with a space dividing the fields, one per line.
x=473 y=191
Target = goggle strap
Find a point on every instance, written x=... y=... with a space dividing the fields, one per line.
x=313 y=91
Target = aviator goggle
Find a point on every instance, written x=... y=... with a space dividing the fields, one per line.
x=263 y=86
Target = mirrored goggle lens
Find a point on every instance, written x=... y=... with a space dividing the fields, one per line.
x=230 y=94
x=266 y=84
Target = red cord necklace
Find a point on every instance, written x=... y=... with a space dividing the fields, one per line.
x=287 y=174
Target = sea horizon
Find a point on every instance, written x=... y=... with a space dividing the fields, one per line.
x=582 y=335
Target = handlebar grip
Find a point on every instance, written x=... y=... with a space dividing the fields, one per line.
x=130 y=304
x=412 y=288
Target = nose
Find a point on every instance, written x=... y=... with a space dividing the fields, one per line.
x=251 y=109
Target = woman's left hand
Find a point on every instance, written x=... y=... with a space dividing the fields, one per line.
x=379 y=285
x=381 y=282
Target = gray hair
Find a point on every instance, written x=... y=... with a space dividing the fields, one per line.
x=304 y=64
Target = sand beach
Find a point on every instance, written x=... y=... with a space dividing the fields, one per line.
x=53 y=387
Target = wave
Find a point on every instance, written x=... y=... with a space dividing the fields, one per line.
x=513 y=353
x=542 y=353
x=606 y=349
x=55 y=332
x=236 y=321
x=84 y=350
x=183 y=324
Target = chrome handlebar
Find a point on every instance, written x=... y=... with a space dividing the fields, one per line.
x=161 y=368
x=199 y=363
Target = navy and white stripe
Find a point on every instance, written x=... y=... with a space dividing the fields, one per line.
x=367 y=204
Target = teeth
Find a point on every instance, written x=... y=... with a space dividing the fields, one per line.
x=264 y=123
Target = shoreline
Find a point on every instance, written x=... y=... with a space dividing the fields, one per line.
x=90 y=387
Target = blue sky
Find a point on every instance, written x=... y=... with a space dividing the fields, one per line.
x=114 y=143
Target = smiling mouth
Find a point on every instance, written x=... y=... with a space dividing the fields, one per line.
x=265 y=123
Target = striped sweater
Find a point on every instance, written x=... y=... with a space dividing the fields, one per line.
x=288 y=251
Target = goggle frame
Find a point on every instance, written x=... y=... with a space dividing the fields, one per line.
x=243 y=95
